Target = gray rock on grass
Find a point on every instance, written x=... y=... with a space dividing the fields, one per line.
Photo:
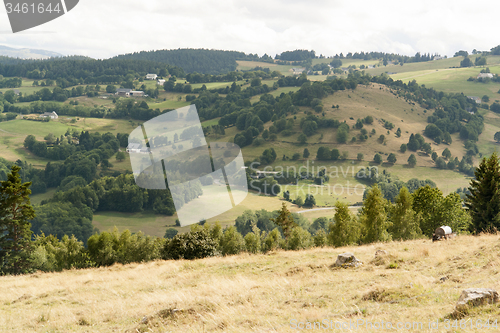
x=476 y=297
x=347 y=259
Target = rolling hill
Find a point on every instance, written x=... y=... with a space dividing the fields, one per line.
x=378 y=101
x=26 y=53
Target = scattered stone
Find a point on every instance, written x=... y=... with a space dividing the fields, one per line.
x=444 y=278
x=22 y=298
x=473 y=297
x=380 y=253
x=347 y=259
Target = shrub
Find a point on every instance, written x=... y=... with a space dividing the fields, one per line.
x=272 y=240
x=318 y=224
x=319 y=238
x=170 y=233
x=252 y=242
x=258 y=141
x=50 y=254
x=108 y=248
x=195 y=244
x=440 y=163
x=232 y=242
x=299 y=239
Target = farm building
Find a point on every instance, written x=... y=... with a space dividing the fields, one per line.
x=123 y=92
x=297 y=71
x=151 y=76
x=134 y=148
x=51 y=115
x=160 y=82
x=485 y=75
x=137 y=93
x=475 y=99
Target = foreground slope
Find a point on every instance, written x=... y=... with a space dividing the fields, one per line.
x=419 y=281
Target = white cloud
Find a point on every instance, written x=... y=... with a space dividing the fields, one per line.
x=106 y=28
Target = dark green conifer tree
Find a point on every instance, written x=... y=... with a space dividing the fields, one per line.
x=483 y=201
x=15 y=229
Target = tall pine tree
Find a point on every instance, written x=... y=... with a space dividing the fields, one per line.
x=483 y=201
x=15 y=229
x=285 y=220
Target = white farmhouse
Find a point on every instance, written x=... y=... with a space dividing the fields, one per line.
x=134 y=148
x=51 y=115
x=485 y=75
x=475 y=99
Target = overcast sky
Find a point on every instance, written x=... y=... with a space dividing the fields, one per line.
x=104 y=28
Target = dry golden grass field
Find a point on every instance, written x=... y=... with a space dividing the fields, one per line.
x=417 y=281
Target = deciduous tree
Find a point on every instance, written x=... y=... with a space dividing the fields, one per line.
x=404 y=220
x=373 y=217
x=345 y=229
x=412 y=160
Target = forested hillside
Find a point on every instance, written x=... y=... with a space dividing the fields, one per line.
x=78 y=71
x=194 y=60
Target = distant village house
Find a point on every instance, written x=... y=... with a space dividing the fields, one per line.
x=137 y=93
x=160 y=82
x=130 y=93
x=123 y=92
x=51 y=115
x=485 y=75
x=475 y=99
x=134 y=148
x=297 y=71
x=151 y=77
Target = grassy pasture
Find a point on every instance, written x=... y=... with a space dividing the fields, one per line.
x=348 y=62
x=36 y=199
x=417 y=282
x=210 y=122
x=169 y=100
x=13 y=133
x=215 y=85
x=454 y=80
x=275 y=93
x=169 y=104
x=154 y=224
x=418 y=66
x=247 y=65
